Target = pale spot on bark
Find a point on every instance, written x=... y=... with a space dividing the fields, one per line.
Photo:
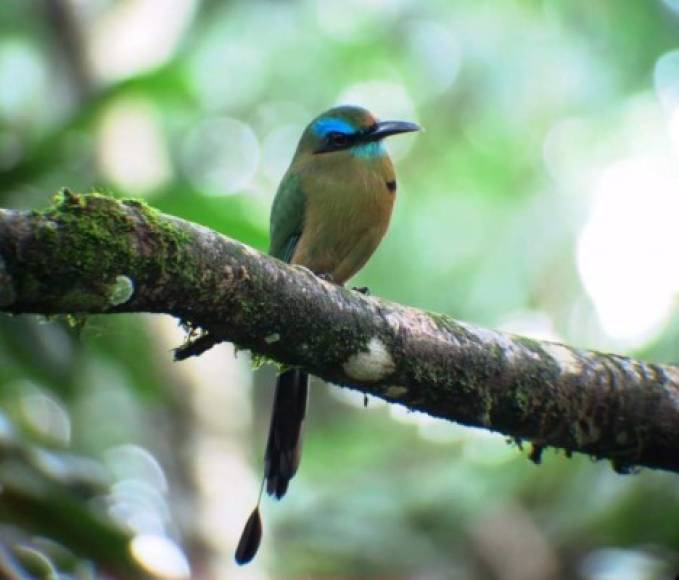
x=673 y=388
x=511 y=348
x=564 y=356
x=673 y=374
x=395 y=391
x=394 y=322
x=249 y=251
x=228 y=274
x=373 y=364
x=120 y=291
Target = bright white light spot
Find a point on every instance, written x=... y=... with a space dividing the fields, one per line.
x=137 y=35
x=134 y=462
x=47 y=416
x=139 y=506
x=220 y=156
x=349 y=20
x=222 y=519
x=437 y=57
x=388 y=101
x=131 y=149
x=22 y=96
x=568 y=152
x=226 y=71
x=277 y=150
x=672 y=4
x=160 y=556
x=618 y=564
x=626 y=253
x=272 y=115
x=674 y=131
x=530 y=323
x=37 y=562
x=666 y=78
x=338 y=22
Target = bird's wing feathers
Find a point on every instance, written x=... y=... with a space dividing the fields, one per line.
x=287 y=218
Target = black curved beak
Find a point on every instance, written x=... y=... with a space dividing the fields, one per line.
x=386 y=128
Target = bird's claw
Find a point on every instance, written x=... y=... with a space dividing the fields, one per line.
x=362 y=290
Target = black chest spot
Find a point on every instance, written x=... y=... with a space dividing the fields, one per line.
x=391 y=186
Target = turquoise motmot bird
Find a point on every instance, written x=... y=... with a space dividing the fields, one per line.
x=331 y=211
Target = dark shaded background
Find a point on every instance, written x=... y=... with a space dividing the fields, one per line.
x=542 y=199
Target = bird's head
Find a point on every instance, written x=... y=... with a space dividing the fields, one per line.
x=349 y=130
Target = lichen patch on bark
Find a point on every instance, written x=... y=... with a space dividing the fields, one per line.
x=373 y=364
x=395 y=391
x=563 y=356
x=121 y=290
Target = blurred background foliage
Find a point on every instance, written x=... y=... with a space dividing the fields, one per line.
x=542 y=199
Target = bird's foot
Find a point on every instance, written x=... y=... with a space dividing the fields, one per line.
x=362 y=290
x=327 y=277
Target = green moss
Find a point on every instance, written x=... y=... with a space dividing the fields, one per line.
x=93 y=241
x=523 y=398
x=83 y=299
x=486 y=404
x=66 y=197
x=257 y=361
x=133 y=202
x=172 y=233
x=529 y=343
x=447 y=324
x=35 y=562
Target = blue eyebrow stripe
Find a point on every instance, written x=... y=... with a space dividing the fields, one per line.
x=323 y=127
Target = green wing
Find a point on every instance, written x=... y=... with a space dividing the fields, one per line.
x=287 y=218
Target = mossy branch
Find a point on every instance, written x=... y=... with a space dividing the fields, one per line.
x=92 y=254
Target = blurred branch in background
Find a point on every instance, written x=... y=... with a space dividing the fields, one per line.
x=68 y=40
x=92 y=254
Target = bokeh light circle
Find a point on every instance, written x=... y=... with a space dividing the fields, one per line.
x=220 y=156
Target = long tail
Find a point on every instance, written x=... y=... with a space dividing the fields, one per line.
x=283 y=452
x=284 y=446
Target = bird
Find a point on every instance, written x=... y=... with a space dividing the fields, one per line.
x=331 y=210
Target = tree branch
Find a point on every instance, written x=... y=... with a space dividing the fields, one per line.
x=92 y=254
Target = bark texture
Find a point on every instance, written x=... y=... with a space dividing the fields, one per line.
x=92 y=254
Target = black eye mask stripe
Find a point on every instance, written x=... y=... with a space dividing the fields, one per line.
x=351 y=139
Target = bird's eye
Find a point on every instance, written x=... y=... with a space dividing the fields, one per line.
x=337 y=139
